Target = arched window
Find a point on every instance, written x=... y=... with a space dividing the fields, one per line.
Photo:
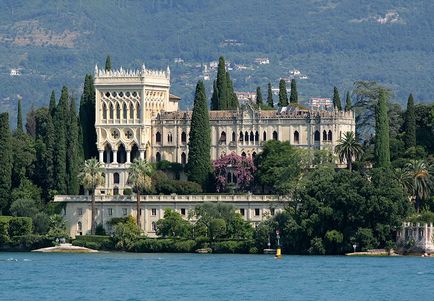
x=223 y=137
x=183 y=137
x=79 y=227
x=169 y=138
x=246 y=137
x=118 y=111
x=229 y=177
x=135 y=153
x=317 y=136
x=241 y=137
x=124 y=111
x=243 y=154
x=122 y=154
x=264 y=136
x=104 y=111
x=138 y=111
x=158 y=157
x=154 y=226
x=256 y=136
x=252 y=137
x=296 y=137
x=275 y=136
x=111 y=111
x=324 y=135
x=183 y=158
x=108 y=154
x=330 y=136
x=233 y=136
x=158 y=137
x=116 y=191
x=131 y=111
x=116 y=178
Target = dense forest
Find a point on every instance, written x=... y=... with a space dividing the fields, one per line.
x=333 y=42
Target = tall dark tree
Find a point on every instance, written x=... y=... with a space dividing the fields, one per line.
x=382 y=148
x=19 y=117
x=5 y=162
x=222 y=85
x=214 y=97
x=410 y=123
x=259 y=100
x=73 y=158
x=199 y=160
x=108 y=63
x=270 y=100
x=293 y=98
x=232 y=97
x=31 y=122
x=348 y=102
x=60 y=121
x=336 y=99
x=283 y=95
x=87 y=118
x=52 y=106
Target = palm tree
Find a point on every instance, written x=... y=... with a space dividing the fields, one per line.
x=422 y=182
x=348 y=148
x=139 y=177
x=91 y=176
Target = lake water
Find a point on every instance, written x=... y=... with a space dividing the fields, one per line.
x=124 y=276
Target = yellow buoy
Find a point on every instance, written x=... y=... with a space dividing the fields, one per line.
x=278 y=252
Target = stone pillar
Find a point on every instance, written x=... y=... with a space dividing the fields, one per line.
x=115 y=156
x=142 y=154
x=101 y=156
x=128 y=156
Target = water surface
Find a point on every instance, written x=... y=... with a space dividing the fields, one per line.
x=125 y=276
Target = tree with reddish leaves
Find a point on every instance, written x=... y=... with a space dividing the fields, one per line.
x=233 y=171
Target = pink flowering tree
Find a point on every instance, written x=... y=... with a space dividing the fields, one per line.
x=233 y=171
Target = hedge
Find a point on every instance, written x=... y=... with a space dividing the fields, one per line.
x=151 y=245
x=11 y=226
x=233 y=246
x=97 y=242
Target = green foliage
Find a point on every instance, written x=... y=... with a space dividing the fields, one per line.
x=24 y=207
x=151 y=245
x=382 y=147
x=29 y=242
x=5 y=162
x=233 y=246
x=108 y=63
x=223 y=97
x=41 y=223
x=23 y=157
x=199 y=161
x=164 y=185
x=173 y=225
x=348 y=102
x=99 y=230
x=283 y=95
x=259 y=100
x=20 y=226
x=337 y=99
x=57 y=227
x=19 y=117
x=95 y=242
x=270 y=100
x=73 y=151
x=125 y=234
x=365 y=240
x=348 y=148
x=87 y=118
x=410 y=124
x=293 y=98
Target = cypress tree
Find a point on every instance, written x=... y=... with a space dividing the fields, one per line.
x=108 y=63
x=270 y=100
x=5 y=162
x=73 y=157
x=283 y=96
x=232 y=97
x=59 y=159
x=348 y=102
x=222 y=86
x=19 y=117
x=259 y=101
x=382 y=147
x=294 y=94
x=87 y=118
x=214 y=97
x=410 y=123
x=52 y=106
x=336 y=99
x=199 y=144
x=31 y=122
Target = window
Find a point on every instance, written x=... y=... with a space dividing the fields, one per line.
x=79 y=211
x=264 y=136
x=241 y=137
x=272 y=211
x=118 y=111
x=256 y=136
x=110 y=211
x=229 y=177
x=330 y=136
x=158 y=137
x=111 y=111
x=246 y=136
x=256 y=211
x=223 y=137
x=252 y=137
x=158 y=157
x=104 y=111
x=169 y=138
x=243 y=154
x=233 y=136
x=183 y=137
x=154 y=226
x=317 y=136
x=79 y=227
x=131 y=111
x=116 y=178
x=116 y=191
x=138 y=111
x=275 y=136
x=324 y=135
x=242 y=211
x=124 y=111
x=124 y=211
x=296 y=137
x=183 y=158
x=182 y=211
x=153 y=211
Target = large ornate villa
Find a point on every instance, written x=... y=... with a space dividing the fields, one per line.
x=137 y=116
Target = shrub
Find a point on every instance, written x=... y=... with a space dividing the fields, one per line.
x=232 y=246
x=20 y=226
x=316 y=247
x=30 y=242
x=365 y=239
x=99 y=230
x=97 y=242
x=128 y=191
x=41 y=223
x=151 y=245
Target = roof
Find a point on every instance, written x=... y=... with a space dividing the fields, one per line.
x=174 y=97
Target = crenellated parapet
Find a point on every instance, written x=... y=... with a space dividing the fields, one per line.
x=132 y=75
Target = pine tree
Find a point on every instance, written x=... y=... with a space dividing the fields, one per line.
x=283 y=95
x=294 y=94
x=348 y=102
x=59 y=159
x=5 y=163
x=222 y=85
x=108 y=63
x=87 y=118
x=73 y=156
x=270 y=100
x=52 y=106
x=19 y=117
x=410 y=123
x=214 y=97
x=382 y=146
x=336 y=99
x=259 y=101
x=199 y=160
